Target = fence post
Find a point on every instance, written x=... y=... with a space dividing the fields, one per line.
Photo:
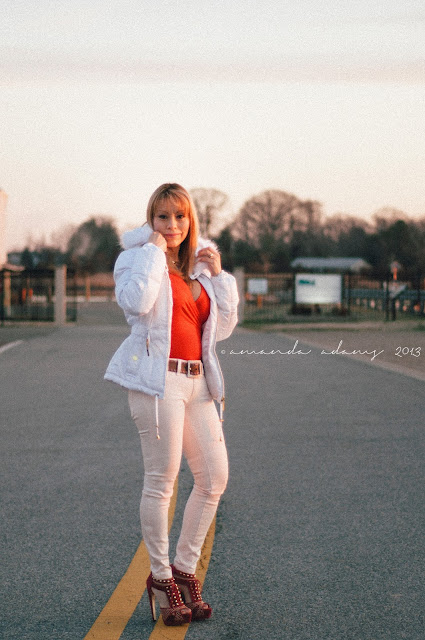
x=7 y=294
x=348 y=291
x=387 y=298
x=87 y=287
x=239 y=274
x=393 y=309
x=60 y=295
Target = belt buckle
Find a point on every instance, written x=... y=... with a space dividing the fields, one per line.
x=189 y=365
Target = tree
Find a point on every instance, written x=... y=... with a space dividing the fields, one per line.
x=225 y=243
x=307 y=244
x=268 y=221
x=398 y=244
x=43 y=257
x=399 y=240
x=49 y=257
x=342 y=224
x=94 y=246
x=27 y=259
x=418 y=228
x=213 y=207
x=247 y=256
x=386 y=216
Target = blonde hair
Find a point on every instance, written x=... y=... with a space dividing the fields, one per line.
x=178 y=194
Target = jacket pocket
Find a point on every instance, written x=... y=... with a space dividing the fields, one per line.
x=135 y=353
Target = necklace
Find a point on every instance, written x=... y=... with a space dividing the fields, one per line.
x=175 y=262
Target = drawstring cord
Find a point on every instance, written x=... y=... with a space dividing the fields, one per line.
x=156 y=417
x=221 y=410
x=221 y=416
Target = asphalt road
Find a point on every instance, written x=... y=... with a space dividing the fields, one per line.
x=320 y=534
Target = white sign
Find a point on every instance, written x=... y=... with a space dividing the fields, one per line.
x=313 y=288
x=257 y=286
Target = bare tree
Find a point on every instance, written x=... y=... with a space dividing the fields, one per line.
x=342 y=224
x=275 y=215
x=213 y=207
x=387 y=216
x=270 y=220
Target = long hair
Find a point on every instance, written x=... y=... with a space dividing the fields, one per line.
x=178 y=195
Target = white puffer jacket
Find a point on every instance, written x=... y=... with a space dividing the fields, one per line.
x=143 y=291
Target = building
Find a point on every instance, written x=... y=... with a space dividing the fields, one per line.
x=331 y=265
x=3 y=202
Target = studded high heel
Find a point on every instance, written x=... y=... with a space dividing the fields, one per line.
x=191 y=591
x=173 y=610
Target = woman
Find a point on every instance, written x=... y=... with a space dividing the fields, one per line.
x=178 y=302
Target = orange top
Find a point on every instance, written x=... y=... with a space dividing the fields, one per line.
x=188 y=317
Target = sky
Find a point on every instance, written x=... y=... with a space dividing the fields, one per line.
x=102 y=101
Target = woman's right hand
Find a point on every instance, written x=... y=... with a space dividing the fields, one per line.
x=159 y=240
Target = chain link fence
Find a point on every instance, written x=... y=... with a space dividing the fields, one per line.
x=271 y=298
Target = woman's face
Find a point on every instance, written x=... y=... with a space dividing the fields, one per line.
x=172 y=221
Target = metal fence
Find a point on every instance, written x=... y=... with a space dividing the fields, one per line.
x=99 y=287
x=363 y=298
x=30 y=295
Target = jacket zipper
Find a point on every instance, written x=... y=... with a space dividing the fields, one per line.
x=222 y=401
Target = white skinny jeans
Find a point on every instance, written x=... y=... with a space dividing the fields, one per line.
x=188 y=424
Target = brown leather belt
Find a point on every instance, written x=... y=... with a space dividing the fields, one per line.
x=191 y=368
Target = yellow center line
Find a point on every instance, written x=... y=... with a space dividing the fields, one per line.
x=162 y=632
x=120 y=607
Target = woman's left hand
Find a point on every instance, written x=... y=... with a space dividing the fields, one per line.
x=212 y=259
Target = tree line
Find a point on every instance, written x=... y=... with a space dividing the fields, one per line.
x=270 y=230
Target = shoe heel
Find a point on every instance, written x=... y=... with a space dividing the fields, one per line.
x=152 y=599
x=152 y=603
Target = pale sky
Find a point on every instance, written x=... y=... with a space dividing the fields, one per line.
x=101 y=102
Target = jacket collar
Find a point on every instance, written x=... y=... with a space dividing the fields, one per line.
x=138 y=237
